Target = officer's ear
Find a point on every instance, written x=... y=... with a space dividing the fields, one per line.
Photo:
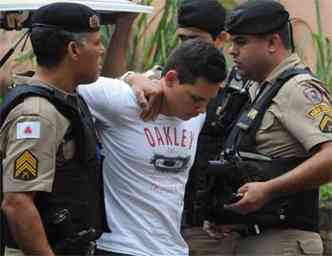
x=171 y=78
x=220 y=40
x=73 y=50
x=274 y=42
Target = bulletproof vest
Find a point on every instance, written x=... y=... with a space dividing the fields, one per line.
x=222 y=111
x=225 y=107
x=78 y=185
x=300 y=210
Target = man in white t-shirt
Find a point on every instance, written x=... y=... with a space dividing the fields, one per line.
x=146 y=164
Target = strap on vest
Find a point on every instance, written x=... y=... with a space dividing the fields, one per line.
x=62 y=103
x=17 y=94
x=251 y=118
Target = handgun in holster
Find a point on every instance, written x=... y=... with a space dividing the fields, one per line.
x=230 y=174
x=71 y=242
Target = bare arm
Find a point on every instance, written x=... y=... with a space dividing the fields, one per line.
x=314 y=172
x=116 y=54
x=25 y=223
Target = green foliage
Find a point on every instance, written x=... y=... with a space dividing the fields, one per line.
x=24 y=56
x=323 y=52
x=155 y=46
x=326 y=192
x=323 y=71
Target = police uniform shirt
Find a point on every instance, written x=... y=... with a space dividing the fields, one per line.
x=299 y=118
x=29 y=138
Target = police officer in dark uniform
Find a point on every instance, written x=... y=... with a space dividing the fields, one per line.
x=279 y=150
x=53 y=200
x=205 y=20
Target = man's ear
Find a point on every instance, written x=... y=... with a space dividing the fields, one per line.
x=171 y=77
x=274 y=42
x=220 y=40
x=73 y=50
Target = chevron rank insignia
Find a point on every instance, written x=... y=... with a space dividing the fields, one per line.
x=326 y=124
x=26 y=167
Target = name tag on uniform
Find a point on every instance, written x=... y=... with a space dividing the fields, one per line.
x=28 y=130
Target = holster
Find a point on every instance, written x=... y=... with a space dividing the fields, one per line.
x=81 y=243
x=229 y=176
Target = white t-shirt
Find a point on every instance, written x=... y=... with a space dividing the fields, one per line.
x=145 y=171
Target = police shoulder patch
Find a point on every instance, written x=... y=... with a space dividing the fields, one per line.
x=326 y=124
x=313 y=95
x=26 y=167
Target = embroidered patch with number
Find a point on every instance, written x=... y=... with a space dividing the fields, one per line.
x=26 y=167
x=318 y=109
x=326 y=124
x=313 y=95
x=28 y=130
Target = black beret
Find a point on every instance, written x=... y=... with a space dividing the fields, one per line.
x=257 y=17
x=207 y=15
x=71 y=17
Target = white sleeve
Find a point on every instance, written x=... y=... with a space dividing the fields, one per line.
x=107 y=98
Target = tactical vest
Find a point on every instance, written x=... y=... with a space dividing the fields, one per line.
x=78 y=186
x=299 y=210
x=222 y=111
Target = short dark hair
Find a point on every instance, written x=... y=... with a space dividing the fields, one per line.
x=195 y=59
x=49 y=45
x=285 y=33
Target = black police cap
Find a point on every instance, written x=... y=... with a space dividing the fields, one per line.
x=207 y=15
x=257 y=17
x=72 y=17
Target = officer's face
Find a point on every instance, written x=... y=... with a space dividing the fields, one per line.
x=186 y=101
x=251 y=56
x=191 y=33
x=90 y=62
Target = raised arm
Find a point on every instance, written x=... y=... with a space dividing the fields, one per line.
x=115 y=63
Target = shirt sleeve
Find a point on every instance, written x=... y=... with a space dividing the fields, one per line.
x=32 y=131
x=306 y=113
x=107 y=98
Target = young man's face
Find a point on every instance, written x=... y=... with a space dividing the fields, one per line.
x=90 y=62
x=251 y=56
x=186 y=101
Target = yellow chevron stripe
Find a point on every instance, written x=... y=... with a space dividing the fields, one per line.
x=325 y=121
x=26 y=157
x=25 y=167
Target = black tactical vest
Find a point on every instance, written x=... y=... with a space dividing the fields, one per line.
x=222 y=111
x=76 y=202
x=299 y=210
